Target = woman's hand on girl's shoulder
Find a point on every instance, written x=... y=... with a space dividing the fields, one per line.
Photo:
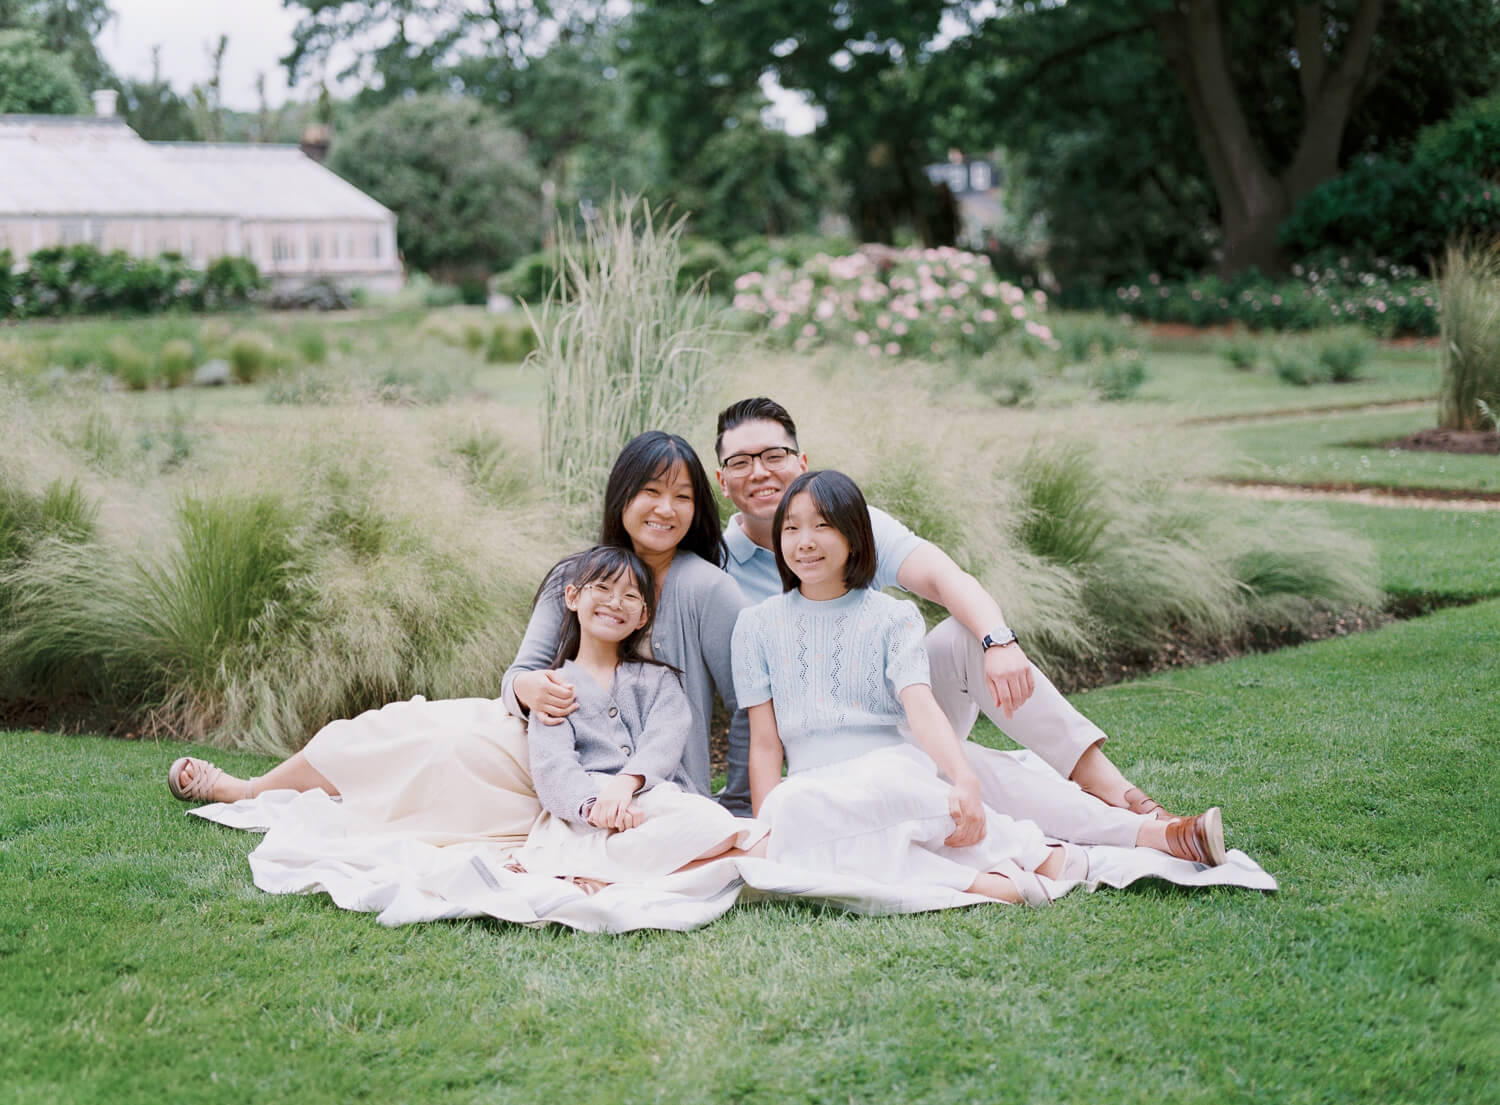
x=546 y=694
x=967 y=810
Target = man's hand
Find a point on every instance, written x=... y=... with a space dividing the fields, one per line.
x=1009 y=676
x=546 y=694
x=967 y=812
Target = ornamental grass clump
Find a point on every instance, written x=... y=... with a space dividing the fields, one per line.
x=1242 y=352
x=1298 y=365
x=1343 y=352
x=620 y=347
x=932 y=303
x=251 y=355
x=350 y=564
x=174 y=362
x=1471 y=336
x=1077 y=523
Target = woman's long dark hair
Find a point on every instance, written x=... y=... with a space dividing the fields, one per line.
x=650 y=456
x=605 y=563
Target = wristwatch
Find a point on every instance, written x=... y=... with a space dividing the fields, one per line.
x=998 y=638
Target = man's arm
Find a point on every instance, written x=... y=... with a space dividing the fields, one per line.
x=930 y=572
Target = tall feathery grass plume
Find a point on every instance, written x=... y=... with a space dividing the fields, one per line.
x=347 y=563
x=621 y=348
x=1470 y=328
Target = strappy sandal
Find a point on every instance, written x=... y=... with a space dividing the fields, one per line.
x=200 y=788
x=1028 y=883
x=1138 y=801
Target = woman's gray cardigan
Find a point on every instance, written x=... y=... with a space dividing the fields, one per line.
x=692 y=631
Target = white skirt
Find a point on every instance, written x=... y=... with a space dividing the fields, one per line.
x=679 y=827
x=883 y=816
x=442 y=772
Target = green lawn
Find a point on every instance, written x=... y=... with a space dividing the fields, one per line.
x=1442 y=553
x=1347 y=449
x=1203 y=384
x=139 y=963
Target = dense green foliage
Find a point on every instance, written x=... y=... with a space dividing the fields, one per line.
x=81 y=280
x=1390 y=301
x=35 y=81
x=466 y=194
x=1096 y=111
x=1409 y=210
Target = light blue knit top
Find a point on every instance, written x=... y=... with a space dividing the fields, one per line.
x=834 y=670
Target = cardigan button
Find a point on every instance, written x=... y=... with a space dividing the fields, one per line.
x=614 y=711
x=625 y=748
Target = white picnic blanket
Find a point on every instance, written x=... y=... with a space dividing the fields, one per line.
x=310 y=847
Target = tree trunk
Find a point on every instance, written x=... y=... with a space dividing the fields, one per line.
x=1253 y=200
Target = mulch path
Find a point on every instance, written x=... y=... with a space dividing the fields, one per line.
x=1431 y=498
x=1436 y=440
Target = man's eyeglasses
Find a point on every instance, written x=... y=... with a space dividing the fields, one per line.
x=741 y=463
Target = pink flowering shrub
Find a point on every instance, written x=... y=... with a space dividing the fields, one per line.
x=891 y=303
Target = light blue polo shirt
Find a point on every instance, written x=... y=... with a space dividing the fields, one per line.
x=754 y=568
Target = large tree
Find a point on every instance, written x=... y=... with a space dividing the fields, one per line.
x=695 y=62
x=34 y=80
x=69 y=28
x=463 y=189
x=1268 y=92
x=1276 y=94
x=544 y=63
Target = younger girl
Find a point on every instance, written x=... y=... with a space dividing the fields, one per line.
x=610 y=775
x=834 y=677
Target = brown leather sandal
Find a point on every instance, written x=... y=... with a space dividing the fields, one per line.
x=1199 y=839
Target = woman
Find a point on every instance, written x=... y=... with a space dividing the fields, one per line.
x=458 y=769
x=658 y=503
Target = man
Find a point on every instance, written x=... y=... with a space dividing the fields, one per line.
x=977 y=665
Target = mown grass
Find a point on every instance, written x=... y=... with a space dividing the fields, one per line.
x=138 y=962
x=1442 y=554
x=1203 y=384
x=1348 y=448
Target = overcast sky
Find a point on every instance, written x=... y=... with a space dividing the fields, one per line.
x=260 y=34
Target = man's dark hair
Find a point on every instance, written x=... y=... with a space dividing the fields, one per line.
x=843 y=507
x=759 y=409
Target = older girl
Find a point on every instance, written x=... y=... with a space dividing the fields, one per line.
x=834 y=678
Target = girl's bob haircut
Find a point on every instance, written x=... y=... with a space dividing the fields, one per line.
x=604 y=564
x=843 y=507
x=651 y=456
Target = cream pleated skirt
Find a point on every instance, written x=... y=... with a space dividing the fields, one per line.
x=678 y=829
x=442 y=772
x=884 y=816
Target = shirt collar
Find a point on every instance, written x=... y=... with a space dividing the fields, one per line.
x=738 y=541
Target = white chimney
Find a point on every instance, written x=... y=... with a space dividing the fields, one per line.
x=104 y=102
